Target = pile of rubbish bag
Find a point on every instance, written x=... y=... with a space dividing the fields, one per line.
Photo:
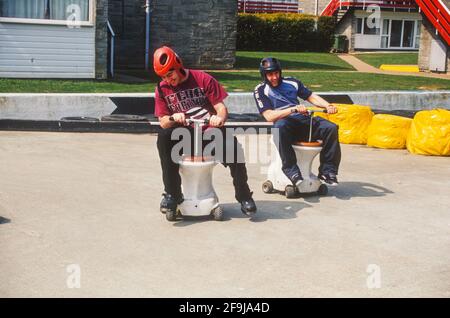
x=428 y=133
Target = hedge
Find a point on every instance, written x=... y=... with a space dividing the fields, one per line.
x=284 y=32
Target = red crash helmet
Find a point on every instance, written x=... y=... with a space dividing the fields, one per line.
x=165 y=59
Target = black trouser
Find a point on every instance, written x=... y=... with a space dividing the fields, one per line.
x=295 y=128
x=170 y=169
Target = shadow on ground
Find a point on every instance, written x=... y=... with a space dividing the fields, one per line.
x=288 y=208
x=349 y=190
x=4 y=220
x=267 y=210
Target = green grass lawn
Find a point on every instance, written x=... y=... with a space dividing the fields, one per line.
x=236 y=82
x=294 y=61
x=326 y=81
x=377 y=59
x=71 y=86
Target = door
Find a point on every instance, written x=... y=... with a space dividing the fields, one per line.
x=396 y=33
x=408 y=34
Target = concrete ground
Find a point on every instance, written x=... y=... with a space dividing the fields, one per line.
x=82 y=210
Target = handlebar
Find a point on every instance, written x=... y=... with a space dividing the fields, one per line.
x=193 y=121
x=311 y=110
x=316 y=110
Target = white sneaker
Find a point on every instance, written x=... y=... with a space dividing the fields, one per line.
x=298 y=184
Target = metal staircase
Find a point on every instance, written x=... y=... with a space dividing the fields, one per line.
x=436 y=11
x=438 y=14
x=340 y=13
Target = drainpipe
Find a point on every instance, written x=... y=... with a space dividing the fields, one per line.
x=147 y=34
x=316 y=13
x=113 y=47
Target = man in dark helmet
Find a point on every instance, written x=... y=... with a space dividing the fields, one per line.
x=277 y=100
x=182 y=94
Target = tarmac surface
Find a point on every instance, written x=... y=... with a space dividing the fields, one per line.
x=79 y=217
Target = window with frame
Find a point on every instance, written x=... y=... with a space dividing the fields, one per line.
x=385 y=34
x=359 y=25
x=363 y=28
x=408 y=33
x=396 y=33
x=46 y=9
x=370 y=30
x=418 y=30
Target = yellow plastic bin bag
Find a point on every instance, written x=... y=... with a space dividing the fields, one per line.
x=430 y=133
x=353 y=122
x=388 y=131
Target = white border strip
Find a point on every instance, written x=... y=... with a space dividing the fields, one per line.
x=230 y=94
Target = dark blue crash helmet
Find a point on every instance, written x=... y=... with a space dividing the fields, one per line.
x=269 y=64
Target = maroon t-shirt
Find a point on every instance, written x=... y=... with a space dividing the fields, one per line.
x=200 y=90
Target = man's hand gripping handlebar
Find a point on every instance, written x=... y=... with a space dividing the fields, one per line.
x=308 y=110
x=192 y=121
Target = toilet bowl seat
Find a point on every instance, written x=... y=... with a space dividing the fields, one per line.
x=317 y=143
x=197 y=159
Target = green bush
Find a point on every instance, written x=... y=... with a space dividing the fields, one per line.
x=326 y=27
x=284 y=32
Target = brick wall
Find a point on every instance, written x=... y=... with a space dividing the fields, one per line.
x=203 y=32
x=346 y=27
x=427 y=34
x=101 y=39
x=127 y=18
x=309 y=6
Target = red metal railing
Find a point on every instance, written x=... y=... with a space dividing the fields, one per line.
x=435 y=10
x=438 y=14
x=266 y=6
x=335 y=5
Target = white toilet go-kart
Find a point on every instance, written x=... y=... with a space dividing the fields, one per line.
x=200 y=198
x=305 y=152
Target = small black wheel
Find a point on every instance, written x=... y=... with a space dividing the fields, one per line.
x=267 y=187
x=217 y=213
x=323 y=190
x=290 y=191
x=171 y=215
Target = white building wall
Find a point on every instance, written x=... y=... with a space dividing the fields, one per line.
x=46 y=51
x=366 y=41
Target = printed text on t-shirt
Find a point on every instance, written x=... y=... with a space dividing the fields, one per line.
x=186 y=99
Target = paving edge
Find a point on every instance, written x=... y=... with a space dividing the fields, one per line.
x=108 y=127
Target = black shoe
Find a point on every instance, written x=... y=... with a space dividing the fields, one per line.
x=169 y=203
x=248 y=207
x=329 y=179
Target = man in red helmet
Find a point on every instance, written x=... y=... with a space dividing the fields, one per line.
x=185 y=93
